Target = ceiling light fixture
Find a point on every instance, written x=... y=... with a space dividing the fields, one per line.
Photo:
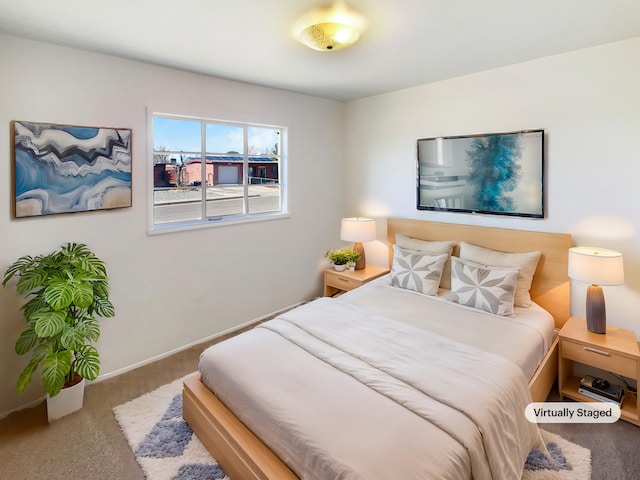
x=328 y=29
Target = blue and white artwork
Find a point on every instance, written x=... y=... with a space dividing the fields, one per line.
x=66 y=168
x=492 y=173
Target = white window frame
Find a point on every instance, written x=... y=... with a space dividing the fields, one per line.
x=217 y=221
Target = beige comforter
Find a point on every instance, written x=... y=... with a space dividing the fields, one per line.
x=339 y=393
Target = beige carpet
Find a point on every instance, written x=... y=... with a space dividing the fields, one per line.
x=87 y=444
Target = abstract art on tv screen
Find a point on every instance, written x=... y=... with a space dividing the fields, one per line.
x=67 y=168
x=490 y=173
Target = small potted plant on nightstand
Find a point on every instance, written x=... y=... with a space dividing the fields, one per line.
x=66 y=290
x=353 y=258
x=342 y=257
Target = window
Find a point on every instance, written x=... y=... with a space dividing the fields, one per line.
x=210 y=171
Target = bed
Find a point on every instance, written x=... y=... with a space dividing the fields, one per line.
x=344 y=397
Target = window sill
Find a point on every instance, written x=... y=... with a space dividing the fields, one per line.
x=213 y=222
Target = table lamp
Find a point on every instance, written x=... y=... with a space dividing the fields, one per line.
x=597 y=266
x=358 y=230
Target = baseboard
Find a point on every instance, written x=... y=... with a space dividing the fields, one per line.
x=200 y=341
x=155 y=358
x=31 y=404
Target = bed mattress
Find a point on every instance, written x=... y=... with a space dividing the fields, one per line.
x=360 y=387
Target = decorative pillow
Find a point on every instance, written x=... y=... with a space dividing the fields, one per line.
x=431 y=248
x=526 y=262
x=486 y=288
x=417 y=271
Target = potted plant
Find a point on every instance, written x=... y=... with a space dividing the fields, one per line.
x=341 y=257
x=66 y=290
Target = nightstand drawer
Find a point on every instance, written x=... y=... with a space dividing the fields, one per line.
x=340 y=282
x=599 y=358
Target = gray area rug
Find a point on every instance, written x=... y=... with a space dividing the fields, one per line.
x=166 y=448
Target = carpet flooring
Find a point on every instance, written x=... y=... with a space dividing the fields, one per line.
x=90 y=445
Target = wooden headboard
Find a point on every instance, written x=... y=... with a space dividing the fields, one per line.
x=550 y=287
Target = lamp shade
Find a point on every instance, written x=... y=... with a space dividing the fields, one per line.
x=597 y=266
x=357 y=229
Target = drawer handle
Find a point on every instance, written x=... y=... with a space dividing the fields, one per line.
x=595 y=350
x=343 y=279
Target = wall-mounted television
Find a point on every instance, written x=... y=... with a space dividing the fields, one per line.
x=491 y=173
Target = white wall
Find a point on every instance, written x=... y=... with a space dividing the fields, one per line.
x=174 y=289
x=589 y=103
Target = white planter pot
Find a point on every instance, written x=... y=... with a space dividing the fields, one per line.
x=69 y=400
x=339 y=268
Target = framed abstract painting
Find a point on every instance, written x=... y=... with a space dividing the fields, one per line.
x=67 y=168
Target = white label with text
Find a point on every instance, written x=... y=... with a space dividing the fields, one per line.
x=574 y=412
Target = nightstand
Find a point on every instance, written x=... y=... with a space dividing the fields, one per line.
x=615 y=351
x=335 y=282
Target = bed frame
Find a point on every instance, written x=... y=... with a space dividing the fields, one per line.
x=244 y=457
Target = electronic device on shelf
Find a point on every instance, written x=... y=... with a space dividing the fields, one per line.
x=601 y=389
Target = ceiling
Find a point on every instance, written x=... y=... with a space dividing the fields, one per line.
x=405 y=42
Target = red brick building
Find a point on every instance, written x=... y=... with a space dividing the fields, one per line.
x=220 y=170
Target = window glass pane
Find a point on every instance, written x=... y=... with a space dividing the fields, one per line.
x=225 y=200
x=264 y=141
x=177 y=205
x=175 y=135
x=235 y=179
x=264 y=198
x=224 y=139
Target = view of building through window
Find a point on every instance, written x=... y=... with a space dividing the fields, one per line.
x=206 y=170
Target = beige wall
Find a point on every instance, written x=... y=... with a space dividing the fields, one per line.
x=173 y=289
x=588 y=101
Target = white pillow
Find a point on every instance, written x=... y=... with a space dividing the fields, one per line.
x=417 y=271
x=431 y=248
x=486 y=288
x=526 y=262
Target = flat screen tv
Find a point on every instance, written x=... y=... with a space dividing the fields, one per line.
x=492 y=173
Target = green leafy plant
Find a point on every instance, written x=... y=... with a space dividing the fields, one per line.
x=342 y=256
x=66 y=290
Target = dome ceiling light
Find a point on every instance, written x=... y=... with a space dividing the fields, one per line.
x=329 y=29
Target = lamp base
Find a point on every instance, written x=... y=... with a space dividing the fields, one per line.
x=361 y=263
x=596 y=313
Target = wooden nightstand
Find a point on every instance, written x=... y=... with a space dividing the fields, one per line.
x=615 y=351
x=344 y=281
